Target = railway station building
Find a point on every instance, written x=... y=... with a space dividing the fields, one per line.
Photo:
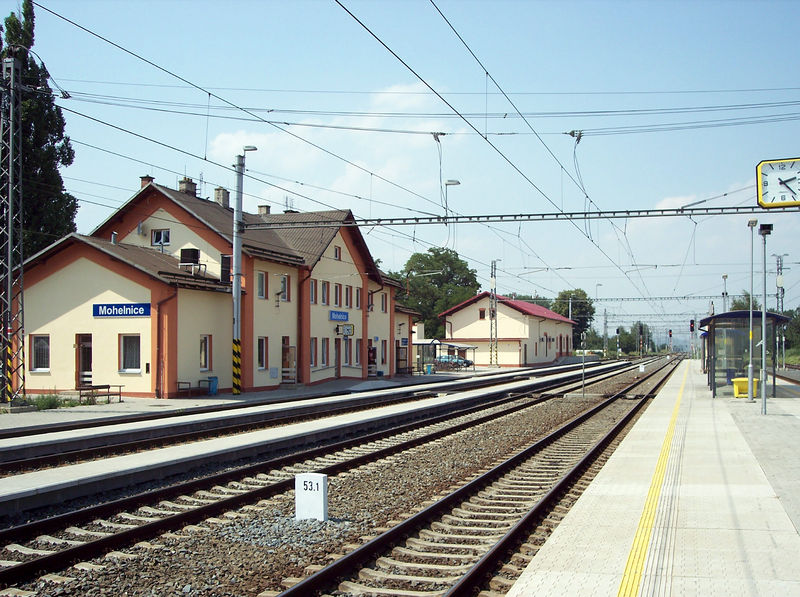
x=145 y=301
x=527 y=334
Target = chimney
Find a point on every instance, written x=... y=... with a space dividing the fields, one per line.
x=114 y=238
x=223 y=197
x=146 y=180
x=187 y=185
x=263 y=210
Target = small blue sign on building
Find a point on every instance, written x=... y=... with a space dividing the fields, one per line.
x=121 y=310
x=338 y=316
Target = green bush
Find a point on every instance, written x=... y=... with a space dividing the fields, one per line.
x=47 y=401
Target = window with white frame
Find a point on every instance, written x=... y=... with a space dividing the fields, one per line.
x=358 y=351
x=383 y=352
x=262 y=352
x=205 y=352
x=285 y=294
x=337 y=253
x=40 y=352
x=261 y=282
x=326 y=290
x=348 y=349
x=313 y=351
x=159 y=237
x=130 y=359
x=358 y=298
x=324 y=352
x=337 y=295
x=312 y=291
x=348 y=296
x=384 y=301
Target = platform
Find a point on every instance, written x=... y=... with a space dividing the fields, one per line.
x=701 y=498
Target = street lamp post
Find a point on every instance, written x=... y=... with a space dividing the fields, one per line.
x=764 y=230
x=448 y=183
x=236 y=290
x=725 y=293
x=751 y=224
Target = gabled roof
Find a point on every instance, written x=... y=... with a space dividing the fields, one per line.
x=300 y=246
x=521 y=306
x=161 y=266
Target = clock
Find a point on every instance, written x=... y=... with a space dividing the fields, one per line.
x=778 y=183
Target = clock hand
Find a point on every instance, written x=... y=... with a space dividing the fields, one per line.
x=783 y=182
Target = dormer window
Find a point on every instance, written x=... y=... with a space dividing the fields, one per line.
x=159 y=237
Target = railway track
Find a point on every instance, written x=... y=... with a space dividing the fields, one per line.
x=54 y=543
x=45 y=455
x=450 y=547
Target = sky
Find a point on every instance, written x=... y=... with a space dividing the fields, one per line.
x=676 y=103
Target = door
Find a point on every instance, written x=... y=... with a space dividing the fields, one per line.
x=83 y=360
x=337 y=356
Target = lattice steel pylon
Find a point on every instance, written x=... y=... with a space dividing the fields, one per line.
x=11 y=300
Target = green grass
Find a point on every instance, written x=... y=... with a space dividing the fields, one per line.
x=793 y=356
x=47 y=401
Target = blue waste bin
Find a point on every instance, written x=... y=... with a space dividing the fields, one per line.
x=212 y=385
x=428 y=369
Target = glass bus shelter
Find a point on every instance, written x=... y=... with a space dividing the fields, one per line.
x=726 y=348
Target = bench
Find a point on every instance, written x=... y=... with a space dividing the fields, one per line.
x=93 y=391
x=405 y=371
x=202 y=387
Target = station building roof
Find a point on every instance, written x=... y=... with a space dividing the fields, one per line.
x=521 y=306
x=154 y=263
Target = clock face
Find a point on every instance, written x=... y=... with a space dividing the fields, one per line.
x=778 y=183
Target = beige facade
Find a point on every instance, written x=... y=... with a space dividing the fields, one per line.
x=170 y=251
x=526 y=334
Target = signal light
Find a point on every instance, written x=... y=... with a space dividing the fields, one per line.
x=670 y=333
x=691 y=325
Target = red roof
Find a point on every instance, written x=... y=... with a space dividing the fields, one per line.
x=521 y=306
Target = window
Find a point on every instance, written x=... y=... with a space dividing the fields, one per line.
x=358 y=298
x=225 y=269
x=285 y=294
x=481 y=313
x=337 y=253
x=383 y=302
x=205 y=352
x=348 y=296
x=313 y=350
x=312 y=292
x=262 y=352
x=358 y=351
x=326 y=290
x=40 y=353
x=348 y=349
x=261 y=279
x=337 y=295
x=129 y=353
x=159 y=237
x=324 y=352
x=383 y=352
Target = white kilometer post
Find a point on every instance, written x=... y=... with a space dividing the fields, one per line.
x=311 y=496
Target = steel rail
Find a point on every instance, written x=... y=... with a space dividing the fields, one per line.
x=322 y=579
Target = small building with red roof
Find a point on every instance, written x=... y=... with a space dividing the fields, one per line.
x=526 y=333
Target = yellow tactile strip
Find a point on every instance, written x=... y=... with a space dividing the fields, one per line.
x=632 y=578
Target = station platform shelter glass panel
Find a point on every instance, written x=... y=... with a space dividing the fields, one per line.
x=727 y=347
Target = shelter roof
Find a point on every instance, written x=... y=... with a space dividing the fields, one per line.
x=745 y=314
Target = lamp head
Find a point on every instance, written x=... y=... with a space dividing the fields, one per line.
x=751 y=223
x=765 y=229
x=450 y=183
x=249 y=148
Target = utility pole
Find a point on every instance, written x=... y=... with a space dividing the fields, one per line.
x=493 y=358
x=11 y=304
x=236 y=290
x=605 y=333
x=779 y=292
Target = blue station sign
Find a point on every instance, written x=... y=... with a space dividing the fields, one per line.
x=338 y=316
x=121 y=310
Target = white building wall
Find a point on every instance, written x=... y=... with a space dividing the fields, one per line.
x=204 y=313
x=60 y=306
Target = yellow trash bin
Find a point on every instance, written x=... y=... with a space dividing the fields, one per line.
x=740 y=387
